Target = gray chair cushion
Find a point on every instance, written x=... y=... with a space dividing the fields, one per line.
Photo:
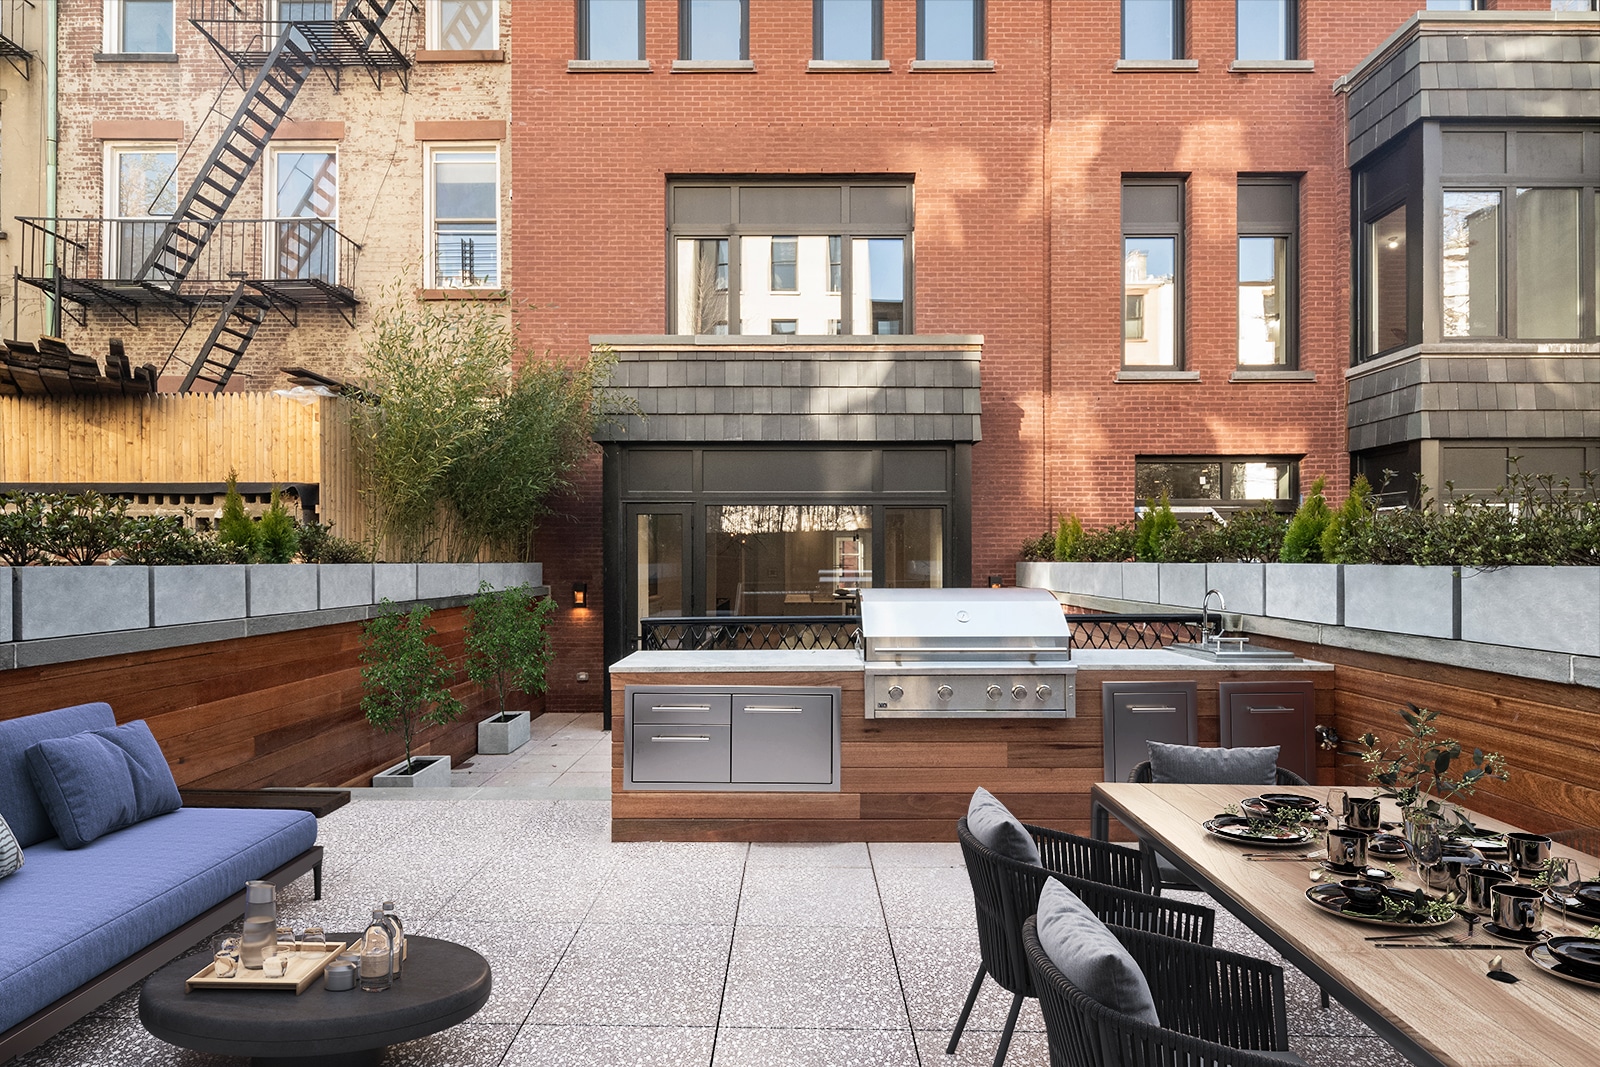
x=1090 y=955
x=992 y=823
x=1192 y=765
x=19 y=804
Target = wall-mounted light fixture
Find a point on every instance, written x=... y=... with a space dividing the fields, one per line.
x=580 y=594
x=994 y=581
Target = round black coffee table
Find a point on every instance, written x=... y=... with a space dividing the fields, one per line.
x=443 y=984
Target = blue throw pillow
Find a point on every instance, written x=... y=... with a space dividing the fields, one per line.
x=1192 y=765
x=1090 y=955
x=992 y=823
x=154 y=790
x=85 y=784
x=19 y=803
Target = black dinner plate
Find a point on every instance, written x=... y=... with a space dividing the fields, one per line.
x=1291 y=800
x=1234 y=828
x=1571 y=905
x=1332 y=899
x=1588 y=894
x=1386 y=845
x=1548 y=963
x=1582 y=954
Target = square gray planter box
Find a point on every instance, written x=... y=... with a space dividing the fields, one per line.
x=510 y=575
x=394 y=581
x=1085 y=579
x=282 y=588
x=1183 y=585
x=1243 y=586
x=203 y=593
x=1034 y=575
x=1401 y=599
x=1141 y=582
x=344 y=585
x=1556 y=609
x=7 y=594
x=63 y=601
x=504 y=733
x=434 y=773
x=438 y=580
x=1305 y=592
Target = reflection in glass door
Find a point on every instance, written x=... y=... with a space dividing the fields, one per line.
x=787 y=559
x=660 y=588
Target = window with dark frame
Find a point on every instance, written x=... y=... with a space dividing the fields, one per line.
x=714 y=30
x=1217 y=483
x=950 y=30
x=1133 y=318
x=1152 y=29
x=1268 y=218
x=785 y=262
x=611 y=29
x=847 y=30
x=1387 y=281
x=1152 y=271
x=1266 y=30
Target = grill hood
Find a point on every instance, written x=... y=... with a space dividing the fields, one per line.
x=906 y=625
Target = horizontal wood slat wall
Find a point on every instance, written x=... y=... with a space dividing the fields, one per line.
x=160 y=439
x=275 y=710
x=908 y=779
x=1549 y=733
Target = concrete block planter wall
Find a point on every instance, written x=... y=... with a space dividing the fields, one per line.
x=282 y=588
x=7 y=595
x=1403 y=600
x=433 y=773
x=1305 y=592
x=209 y=593
x=510 y=575
x=1552 y=608
x=344 y=585
x=1141 y=582
x=504 y=733
x=1183 y=585
x=396 y=582
x=1243 y=586
x=436 y=580
x=63 y=601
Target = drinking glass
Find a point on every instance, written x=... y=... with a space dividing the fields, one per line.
x=286 y=941
x=1425 y=841
x=314 y=935
x=225 y=955
x=1563 y=876
x=1339 y=807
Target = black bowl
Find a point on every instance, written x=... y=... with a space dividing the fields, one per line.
x=1386 y=845
x=1290 y=800
x=1582 y=954
x=1359 y=896
x=1588 y=894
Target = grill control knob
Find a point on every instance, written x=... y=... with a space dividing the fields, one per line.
x=895 y=692
x=1018 y=692
x=945 y=692
x=1043 y=692
x=994 y=692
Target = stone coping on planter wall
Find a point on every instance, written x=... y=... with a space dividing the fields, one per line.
x=1532 y=622
x=60 y=614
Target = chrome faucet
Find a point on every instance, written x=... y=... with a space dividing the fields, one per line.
x=1206 y=636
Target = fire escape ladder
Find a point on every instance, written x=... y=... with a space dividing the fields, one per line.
x=241 y=316
x=229 y=164
x=368 y=16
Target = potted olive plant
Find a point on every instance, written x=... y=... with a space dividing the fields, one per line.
x=407 y=686
x=508 y=649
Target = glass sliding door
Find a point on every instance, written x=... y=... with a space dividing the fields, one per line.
x=787 y=559
x=913 y=548
x=660 y=564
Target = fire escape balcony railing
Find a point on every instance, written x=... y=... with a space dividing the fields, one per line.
x=14 y=17
x=371 y=35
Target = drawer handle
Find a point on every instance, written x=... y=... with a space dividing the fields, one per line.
x=1146 y=709
x=1269 y=710
x=755 y=709
x=660 y=738
x=680 y=707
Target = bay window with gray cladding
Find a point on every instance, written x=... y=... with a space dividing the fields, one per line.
x=790 y=258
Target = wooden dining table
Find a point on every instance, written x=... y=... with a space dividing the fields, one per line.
x=1435 y=1006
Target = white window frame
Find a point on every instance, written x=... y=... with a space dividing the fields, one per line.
x=111 y=37
x=110 y=186
x=269 y=243
x=429 y=151
x=434 y=34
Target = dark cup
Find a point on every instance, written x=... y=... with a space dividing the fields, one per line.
x=1347 y=849
x=1479 y=881
x=1361 y=813
x=1517 y=910
x=1528 y=851
x=1359 y=896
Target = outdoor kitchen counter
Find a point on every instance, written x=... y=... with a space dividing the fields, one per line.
x=1159 y=659
x=1087 y=660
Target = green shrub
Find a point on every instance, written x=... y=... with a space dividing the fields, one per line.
x=1302 y=543
x=404 y=679
x=1254 y=535
x=1156 y=527
x=1114 y=544
x=1041 y=549
x=508 y=643
x=161 y=541
x=235 y=528
x=1069 y=538
x=21 y=529
x=1348 y=523
x=80 y=528
x=319 y=545
x=276 y=538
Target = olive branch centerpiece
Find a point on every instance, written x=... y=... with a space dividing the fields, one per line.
x=1422 y=770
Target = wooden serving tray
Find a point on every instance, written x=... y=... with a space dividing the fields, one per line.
x=301 y=972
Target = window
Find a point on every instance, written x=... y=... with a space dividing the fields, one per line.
x=464 y=25
x=1388 y=282
x=1265 y=29
x=1455 y=5
x=1152 y=254
x=305 y=210
x=1469 y=278
x=611 y=29
x=1573 y=5
x=1268 y=254
x=1547 y=304
x=139 y=26
x=464 y=226
x=950 y=29
x=829 y=258
x=1216 y=483
x=140 y=197
x=714 y=29
x=1152 y=29
x=847 y=29
x=287 y=12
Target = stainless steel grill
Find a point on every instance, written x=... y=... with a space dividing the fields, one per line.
x=966 y=653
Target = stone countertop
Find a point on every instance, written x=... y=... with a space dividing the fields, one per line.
x=835 y=660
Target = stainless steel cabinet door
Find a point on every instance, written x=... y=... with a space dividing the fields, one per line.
x=680 y=753
x=1256 y=714
x=685 y=707
x=783 y=737
x=1136 y=712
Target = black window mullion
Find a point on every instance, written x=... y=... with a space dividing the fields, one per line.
x=877 y=29
x=1180 y=48
x=685 y=29
x=641 y=29
x=847 y=257
x=735 y=282
x=816 y=29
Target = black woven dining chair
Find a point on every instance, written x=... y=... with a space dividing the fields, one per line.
x=1005 y=892
x=1216 y=1008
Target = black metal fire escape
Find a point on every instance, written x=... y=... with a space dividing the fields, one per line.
x=12 y=18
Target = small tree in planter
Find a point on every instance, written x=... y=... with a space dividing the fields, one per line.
x=406 y=680
x=508 y=647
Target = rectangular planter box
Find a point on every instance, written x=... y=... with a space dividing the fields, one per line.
x=1405 y=600
x=1306 y=592
x=1183 y=585
x=204 y=593
x=344 y=585
x=395 y=582
x=510 y=575
x=1140 y=581
x=1556 y=609
x=1086 y=579
x=437 y=580
x=1243 y=586
x=282 y=588
x=500 y=734
x=7 y=595
x=435 y=775
x=63 y=601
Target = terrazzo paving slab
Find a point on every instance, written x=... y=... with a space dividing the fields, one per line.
x=638 y=975
x=977 y=1049
x=778 y=977
x=936 y=970
x=523 y=957
x=927 y=897
x=916 y=854
x=809 y=897
x=738 y=1047
x=471 y=1044
x=818 y=854
x=613 y=1046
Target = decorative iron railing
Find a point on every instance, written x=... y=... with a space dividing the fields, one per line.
x=1132 y=631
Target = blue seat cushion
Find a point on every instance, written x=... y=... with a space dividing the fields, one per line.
x=19 y=804
x=90 y=908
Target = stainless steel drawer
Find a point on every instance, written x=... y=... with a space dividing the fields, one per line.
x=781 y=737
x=670 y=753
x=698 y=709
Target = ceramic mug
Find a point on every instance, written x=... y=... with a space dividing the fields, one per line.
x=1480 y=880
x=1517 y=909
x=1528 y=851
x=1347 y=849
x=1361 y=813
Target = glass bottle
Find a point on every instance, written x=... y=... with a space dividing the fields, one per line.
x=377 y=953
x=399 y=937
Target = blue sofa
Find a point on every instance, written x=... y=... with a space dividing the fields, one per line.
x=84 y=924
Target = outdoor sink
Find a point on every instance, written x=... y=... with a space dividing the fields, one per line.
x=1232 y=650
